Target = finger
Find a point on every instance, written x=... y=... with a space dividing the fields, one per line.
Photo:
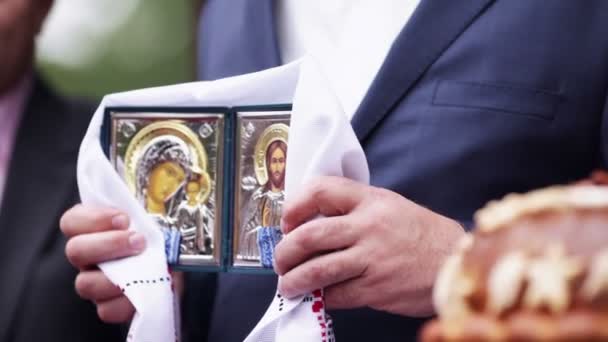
x=328 y=196
x=346 y=295
x=95 y=286
x=82 y=219
x=90 y=249
x=117 y=310
x=313 y=238
x=320 y=272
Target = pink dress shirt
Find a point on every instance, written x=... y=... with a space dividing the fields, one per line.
x=12 y=105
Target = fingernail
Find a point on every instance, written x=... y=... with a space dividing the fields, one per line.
x=120 y=221
x=137 y=242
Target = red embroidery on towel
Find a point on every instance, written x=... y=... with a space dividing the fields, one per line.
x=318 y=309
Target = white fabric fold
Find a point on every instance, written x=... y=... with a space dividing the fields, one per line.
x=145 y=278
x=349 y=38
x=321 y=143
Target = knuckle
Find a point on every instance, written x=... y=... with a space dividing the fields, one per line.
x=73 y=252
x=304 y=239
x=317 y=273
x=280 y=265
x=119 y=241
x=97 y=216
x=385 y=210
x=321 y=229
x=104 y=313
x=66 y=222
x=361 y=224
x=332 y=271
x=115 y=311
x=83 y=285
x=318 y=188
x=318 y=233
x=378 y=194
x=339 y=227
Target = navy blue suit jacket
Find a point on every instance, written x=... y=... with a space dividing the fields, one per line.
x=476 y=99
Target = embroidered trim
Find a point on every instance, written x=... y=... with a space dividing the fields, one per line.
x=145 y=282
x=325 y=322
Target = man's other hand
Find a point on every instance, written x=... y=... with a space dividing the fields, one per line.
x=97 y=235
x=372 y=247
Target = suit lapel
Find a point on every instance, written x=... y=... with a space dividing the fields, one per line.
x=432 y=28
x=40 y=181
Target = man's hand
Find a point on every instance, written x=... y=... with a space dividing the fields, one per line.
x=97 y=235
x=372 y=247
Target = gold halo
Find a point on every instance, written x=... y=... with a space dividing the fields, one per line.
x=272 y=133
x=204 y=181
x=153 y=130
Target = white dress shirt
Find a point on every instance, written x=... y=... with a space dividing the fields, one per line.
x=349 y=38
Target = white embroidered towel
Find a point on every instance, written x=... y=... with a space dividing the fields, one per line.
x=317 y=116
x=145 y=278
x=321 y=143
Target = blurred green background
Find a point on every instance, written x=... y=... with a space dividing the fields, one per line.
x=94 y=47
